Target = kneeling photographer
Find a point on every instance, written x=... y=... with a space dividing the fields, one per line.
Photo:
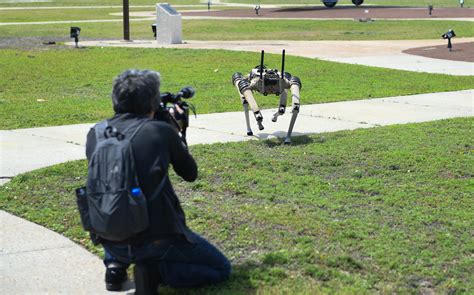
x=166 y=251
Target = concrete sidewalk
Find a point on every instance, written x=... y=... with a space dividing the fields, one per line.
x=385 y=54
x=24 y=150
x=35 y=260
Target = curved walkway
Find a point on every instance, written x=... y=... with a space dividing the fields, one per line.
x=385 y=54
x=35 y=260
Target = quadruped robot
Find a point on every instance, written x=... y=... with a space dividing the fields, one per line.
x=268 y=81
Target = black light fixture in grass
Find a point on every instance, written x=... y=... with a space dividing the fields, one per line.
x=257 y=9
x=448 y=35
x=75 y=31
x=153 y=28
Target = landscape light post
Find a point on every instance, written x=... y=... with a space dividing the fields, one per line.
x=448 y=35
x=126 y=21
x=75 y=31
x=257 y=9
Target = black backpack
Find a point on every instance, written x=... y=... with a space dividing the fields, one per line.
x=113 y=205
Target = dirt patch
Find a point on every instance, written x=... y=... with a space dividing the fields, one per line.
x=28 y=43
x=388 y=12
x=31 y=42
x=460 y=51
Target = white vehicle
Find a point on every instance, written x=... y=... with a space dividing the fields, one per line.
x=332 y=3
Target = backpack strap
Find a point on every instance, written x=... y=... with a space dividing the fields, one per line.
x=102 y=126
x=140 y=124
x=160 y=188
x=99 y=130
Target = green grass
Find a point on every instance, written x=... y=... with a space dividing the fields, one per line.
x=436 y=3
x=97 y=3
x=385 y=210
x=41 y=15
x=66 y=86
x=61 y=14
x=320 y=30
x=239 y=29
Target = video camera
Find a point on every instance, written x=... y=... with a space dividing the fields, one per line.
x=175 y=111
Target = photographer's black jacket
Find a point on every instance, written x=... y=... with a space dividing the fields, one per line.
x=155 y=146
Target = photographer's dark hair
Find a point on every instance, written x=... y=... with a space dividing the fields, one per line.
x=136 y=91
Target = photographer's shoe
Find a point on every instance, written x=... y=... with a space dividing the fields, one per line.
x=114 y=277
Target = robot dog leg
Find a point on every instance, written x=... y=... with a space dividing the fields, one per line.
x=295 y=86
x=245 y=104
x=281 y=108
x=243 y=86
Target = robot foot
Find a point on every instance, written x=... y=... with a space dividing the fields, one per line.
x=281 y=111
x=287 y=141
x=249 y=133
x=275 y=117
x=259 y=118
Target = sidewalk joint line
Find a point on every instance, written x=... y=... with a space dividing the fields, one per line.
x=46 y=137
x=38 y=250
x=342 y=120
x=423 y=105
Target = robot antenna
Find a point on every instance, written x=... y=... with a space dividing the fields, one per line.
x=261 y=64
x=283 y=64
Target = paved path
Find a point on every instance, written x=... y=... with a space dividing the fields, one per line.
x=386 y=54
x=145 y=16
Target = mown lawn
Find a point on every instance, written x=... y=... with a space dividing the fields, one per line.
x=66 y=86
x=231 y=29
x=385 y=210
x=436 y=3
x=97 y=3
x=42 y=15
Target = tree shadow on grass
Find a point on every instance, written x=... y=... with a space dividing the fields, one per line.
x=243 y=280
x=295 y=141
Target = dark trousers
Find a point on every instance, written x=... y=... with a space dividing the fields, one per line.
x=181 y=264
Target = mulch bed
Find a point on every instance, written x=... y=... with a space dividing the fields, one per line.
x=460 y=51
x=388 y=12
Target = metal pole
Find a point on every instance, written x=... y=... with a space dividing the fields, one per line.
x=126 y=21
x=283 y=64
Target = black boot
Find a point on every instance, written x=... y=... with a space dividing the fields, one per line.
x=147 y=278
x=115 y=275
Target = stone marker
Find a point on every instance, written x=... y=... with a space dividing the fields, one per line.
x=168 y=24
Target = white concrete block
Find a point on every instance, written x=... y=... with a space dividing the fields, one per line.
x=168 y=24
